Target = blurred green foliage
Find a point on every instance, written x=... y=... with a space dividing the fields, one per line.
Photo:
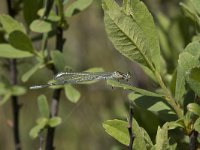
x=83 y=108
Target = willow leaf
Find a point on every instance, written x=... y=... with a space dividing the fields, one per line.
x=145 y=20
x=132 y=88
x=127 y=36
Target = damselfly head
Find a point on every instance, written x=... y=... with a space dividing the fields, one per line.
x=120 y=75
x=127 y=76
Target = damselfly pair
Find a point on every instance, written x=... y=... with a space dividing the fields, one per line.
x=81 y=77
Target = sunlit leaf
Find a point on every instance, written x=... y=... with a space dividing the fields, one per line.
x=196 y=4
x=132 y=88
x=95 y=69
x=197 y=125
x=71 y=93
x=43 y=106
x=187 y=61
x=35 y=131
x=156 y=105
x=9 y=24
x=52 y=16
x=7 y=51
x=145 y=20
x=150 y=103
x=77 y=6
x=58 y=60
x=18 y=90
x=189 y=12
x=193 y=79
x=42 y=122
x=5 y=98
x=55 y=121
x=194 y=108
x=41 y=26
x=119 y=130
x=162 y=140
x=129 y=36
x=176 y=124
x=30 y=72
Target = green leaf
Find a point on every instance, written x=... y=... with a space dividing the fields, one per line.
x=7 y=51
x=194 y=108
x=145 y=20
x=186 y=62
x=34 y=132
x=9 y=24
x=42 y=122
x=43 y=106
x=21 y=41
x=114 y=83
x=196 y=4
x=151 y=103
x=118 y=129
x=162 y=141
x=107 y=5
x=193 y=79
x=30 y=9
x=188 y=119
x=180 y=84
x=126 y=36
x=18 y=90
x=41 y=26
x=176 y=124
x=77 y=6
x=3 y=89
x=55 y=121
x=71 y=93
x=5 y=98
x=129 y=28
x=190 y=12
x=31 y=71
x=193 y=48
x=58 y=60
x=95 y=69
x=147 y=138
x=51 y=17
x=156 y=105
x=197 y=125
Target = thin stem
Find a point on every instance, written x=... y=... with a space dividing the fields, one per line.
x=168 y=96
x=14 y=99
x=15 y=105
x=56 y=93
x=130 y=131
x=41 y=141
x=193 y=145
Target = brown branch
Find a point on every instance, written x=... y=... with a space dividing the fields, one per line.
x=193 y=145
x=13 y=73
x=56 y=95
x=130 y=131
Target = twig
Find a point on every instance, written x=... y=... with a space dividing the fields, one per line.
x=56 y=94
x=13 y=73
x=193 y=140
x=41 y=141
x=130 y=131
x=54 y=112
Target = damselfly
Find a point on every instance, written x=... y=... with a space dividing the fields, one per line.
x=81 y=77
